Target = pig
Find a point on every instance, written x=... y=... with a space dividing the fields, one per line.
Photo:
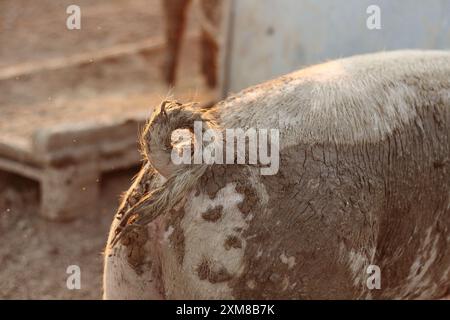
x=362 y=190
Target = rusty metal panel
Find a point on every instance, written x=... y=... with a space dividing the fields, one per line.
x=268 y=38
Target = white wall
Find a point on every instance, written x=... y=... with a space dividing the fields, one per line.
x=268 y=38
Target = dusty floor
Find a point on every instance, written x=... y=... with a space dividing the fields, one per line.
x=35 y=253
x=36 y=30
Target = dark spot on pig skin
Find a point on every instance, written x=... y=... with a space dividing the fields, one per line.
x=213 y=214
x=250 y=197
x=134 y=243
x=233 y=242
x=205 y=271
x=177 y=236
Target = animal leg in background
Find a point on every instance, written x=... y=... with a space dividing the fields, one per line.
x=211 y=14
x=175 y=14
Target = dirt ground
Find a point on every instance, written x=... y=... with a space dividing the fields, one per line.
x=35 y=252
x=36 y=30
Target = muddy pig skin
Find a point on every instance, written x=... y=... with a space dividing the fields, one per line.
x=364 y=179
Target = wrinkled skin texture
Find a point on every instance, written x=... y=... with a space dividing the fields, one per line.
x=175 y=12
x=364 y=179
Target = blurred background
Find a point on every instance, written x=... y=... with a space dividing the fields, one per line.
x=73 y=99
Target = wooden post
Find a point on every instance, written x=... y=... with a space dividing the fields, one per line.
x=70 y=191
x=70 y=174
